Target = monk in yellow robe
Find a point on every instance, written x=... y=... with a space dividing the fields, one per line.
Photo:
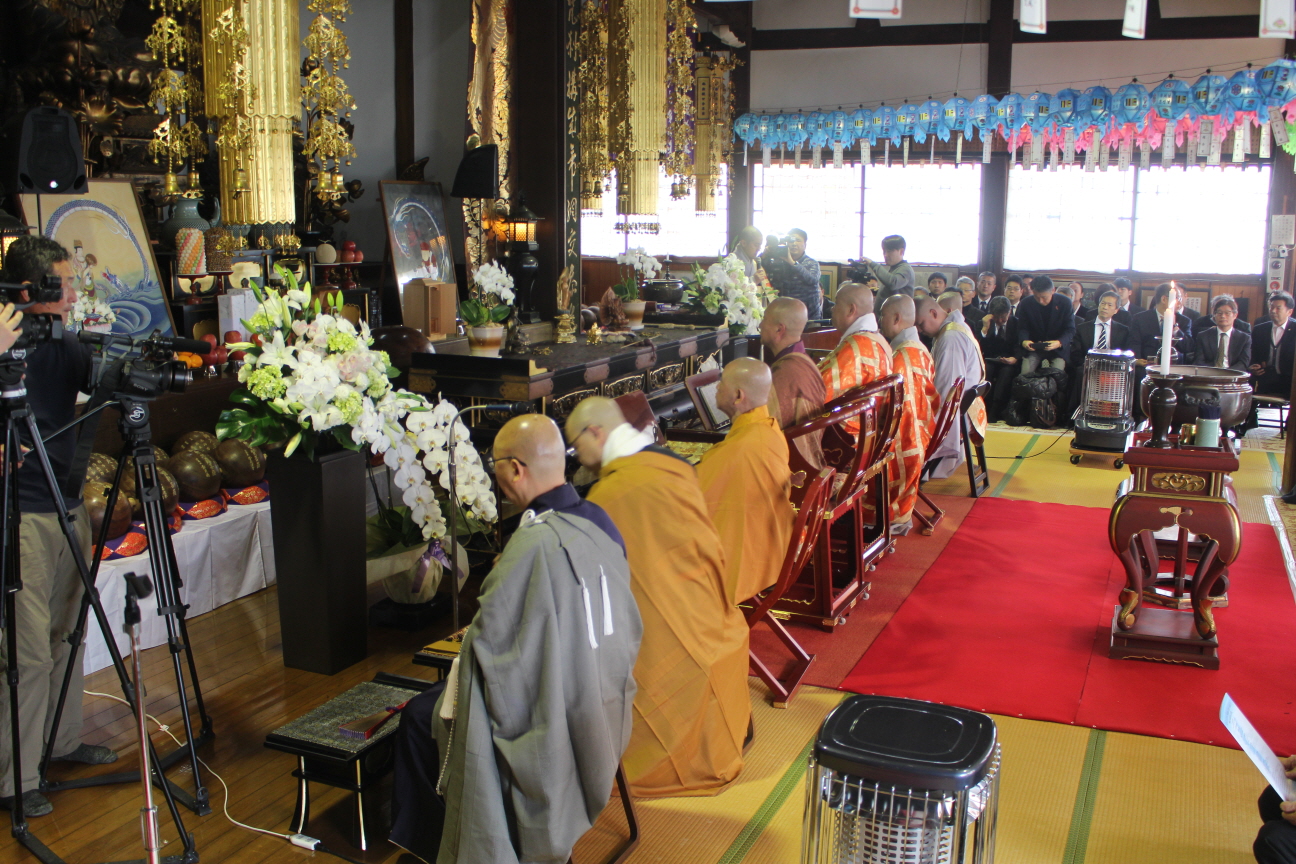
x=747 y=483
x=692 y=710
x=911 y=359
x=862 y=356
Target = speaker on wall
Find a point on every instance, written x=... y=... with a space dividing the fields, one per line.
x=478 y=174
x=50 y=161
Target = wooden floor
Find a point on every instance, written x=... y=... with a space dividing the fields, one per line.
x=248 y=692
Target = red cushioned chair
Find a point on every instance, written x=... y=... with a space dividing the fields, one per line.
x=944 y=422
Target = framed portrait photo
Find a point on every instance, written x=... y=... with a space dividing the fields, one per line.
x=416 y=227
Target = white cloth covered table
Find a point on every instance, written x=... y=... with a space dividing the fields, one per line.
x=220 y=560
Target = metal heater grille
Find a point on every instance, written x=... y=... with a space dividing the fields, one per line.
x=1108 y=388
x=850 y=820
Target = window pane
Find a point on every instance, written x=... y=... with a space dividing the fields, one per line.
x=1069 y=220
x=684 y=231
x=823 y=202
x=1202 y=220
x=936 y=208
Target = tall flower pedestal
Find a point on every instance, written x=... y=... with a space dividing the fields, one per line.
x=318 y=515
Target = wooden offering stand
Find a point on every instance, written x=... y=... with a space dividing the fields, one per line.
x=1181 y=487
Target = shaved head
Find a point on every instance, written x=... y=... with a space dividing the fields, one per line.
x=589 y=425
x=784 y=324
x=744 y=385
x=530 y=458
x=950 y=301
x=853 y=301
x=898 y=314
x=929 y=314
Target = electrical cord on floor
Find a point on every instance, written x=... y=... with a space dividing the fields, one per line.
x=1056 y=438
x=300 y=840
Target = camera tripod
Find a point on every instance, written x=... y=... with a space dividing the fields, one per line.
x=15 y=414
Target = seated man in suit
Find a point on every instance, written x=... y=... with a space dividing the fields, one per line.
x=1206 y=322
x=1047 y=327
x=1273 y=347
x=1276 y=841
x=1014 y=287
x=985 y=291
x=1124 y=289
x=1147 y=329
x=1224 y=345
x=1104 y=333
x=967 y=290
x=1001 y=349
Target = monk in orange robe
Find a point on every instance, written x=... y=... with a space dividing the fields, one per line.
x=747 y=483
x=692 y=710
x=862 y=356
x=911 y=359
x=798 y=392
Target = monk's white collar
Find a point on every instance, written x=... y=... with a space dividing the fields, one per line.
x=625 y=440
x=867 y=321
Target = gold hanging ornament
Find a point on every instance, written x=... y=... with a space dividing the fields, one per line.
x=642 y=73
x=326 y=97
x=179 y=138
x=680 y=138
x=592 y=75
x=714 y=119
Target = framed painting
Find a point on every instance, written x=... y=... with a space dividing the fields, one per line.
x=829 y=276
x=1198 y=299
x=416 y=223
x=104 y=232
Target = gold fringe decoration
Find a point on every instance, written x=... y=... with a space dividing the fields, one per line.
x=680 y=81
x=179 y=138
x=592 y=48
x=637 y=171
x=489 y=92
x=326 y=97
x=715 y=111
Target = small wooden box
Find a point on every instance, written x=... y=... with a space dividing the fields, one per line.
x=430 y=306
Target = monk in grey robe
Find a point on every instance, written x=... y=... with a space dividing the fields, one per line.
x=955 y=354
x=537 y=712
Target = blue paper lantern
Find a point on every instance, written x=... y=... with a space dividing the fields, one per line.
x=1277 y=82
x=1063 y=107
x=956 y=116
x=1035 y=110
x=838 y=123
x=884 y=118
x=1094 y=108
x=1011 y=113
x=794 y=130
x=861 y=125
x=906 y=118
x=817 y=128
x=1208 y=94
x=1243 y=91
x=745 y=128
x=929 y=120
x=984 y=115
x=1171 y=98
x=1131 y=104
x=765 y=130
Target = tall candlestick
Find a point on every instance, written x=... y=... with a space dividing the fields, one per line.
x=1167 y=332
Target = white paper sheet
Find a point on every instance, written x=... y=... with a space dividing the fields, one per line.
x=1254 y=746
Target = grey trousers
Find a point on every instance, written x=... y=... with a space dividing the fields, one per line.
x=1033 y=361
x=47 y=608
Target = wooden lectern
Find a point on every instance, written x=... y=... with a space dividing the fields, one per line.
x=1176 y=487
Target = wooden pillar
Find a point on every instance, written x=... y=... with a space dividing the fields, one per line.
x=740 y=198
x=536 y=136
x=403 y=81
x=994 y=176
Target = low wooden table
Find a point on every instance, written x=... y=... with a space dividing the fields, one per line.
x=326 y=756
x=1185 y=488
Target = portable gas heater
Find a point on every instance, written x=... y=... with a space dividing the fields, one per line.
x=902 y=782
x=1105 y=417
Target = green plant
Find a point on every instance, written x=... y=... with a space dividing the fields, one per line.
x=475 y=313
x=491 y=298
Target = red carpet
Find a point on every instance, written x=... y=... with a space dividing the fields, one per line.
x=1014 y=618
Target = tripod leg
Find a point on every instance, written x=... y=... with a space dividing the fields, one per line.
x=11 y=584
x=207 y=731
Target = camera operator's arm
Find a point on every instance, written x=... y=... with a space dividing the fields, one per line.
x=10 y=318
x=805 y=272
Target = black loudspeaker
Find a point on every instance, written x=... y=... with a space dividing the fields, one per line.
x=50 y=161
x=478 y=174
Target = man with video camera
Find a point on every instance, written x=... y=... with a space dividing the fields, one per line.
x=49 y=601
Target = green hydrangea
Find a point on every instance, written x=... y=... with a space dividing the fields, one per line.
x=351 y=405
x=378 y=385
x=266 y=382
x=341 y=343
x=260 y=322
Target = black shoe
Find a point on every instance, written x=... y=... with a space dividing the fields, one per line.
x=33 y=803
x=88 y=754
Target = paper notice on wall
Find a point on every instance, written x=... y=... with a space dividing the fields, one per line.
x=1205 y=137
x=1034 y=16
x=874 y=8
x=1068 y=146
x=1266 y=142
x=1278 y=123
x=838 y=154
x=1278 y=19
x=1254 y=746
x=986 y=141
x=1167 y=148
x=1135 y=24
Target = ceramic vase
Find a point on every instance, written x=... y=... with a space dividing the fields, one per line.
x=485 y=341
x=634 y=310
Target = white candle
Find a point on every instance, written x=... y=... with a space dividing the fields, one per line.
x=1167 y=332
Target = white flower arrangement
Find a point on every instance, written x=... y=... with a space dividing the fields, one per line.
x=90 y=310
x=724 y=287
x=310 y=373
x=492 y=296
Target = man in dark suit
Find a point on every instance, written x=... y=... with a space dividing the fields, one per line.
x=1207 y=322
x=1124 y=292
x=1104 y=333
x=1147 y=330
x=1273 y=348
x=1001 y=348
x=1047 y=327
x=1184 y=309
x=1075 y=291
x=1236 y=345
x=986 y=286
x=1014 y=288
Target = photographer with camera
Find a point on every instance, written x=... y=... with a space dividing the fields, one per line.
x=49 y=601
x=793 y=273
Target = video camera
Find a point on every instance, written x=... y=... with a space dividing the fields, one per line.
x=40 y=327
x=148 y=368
